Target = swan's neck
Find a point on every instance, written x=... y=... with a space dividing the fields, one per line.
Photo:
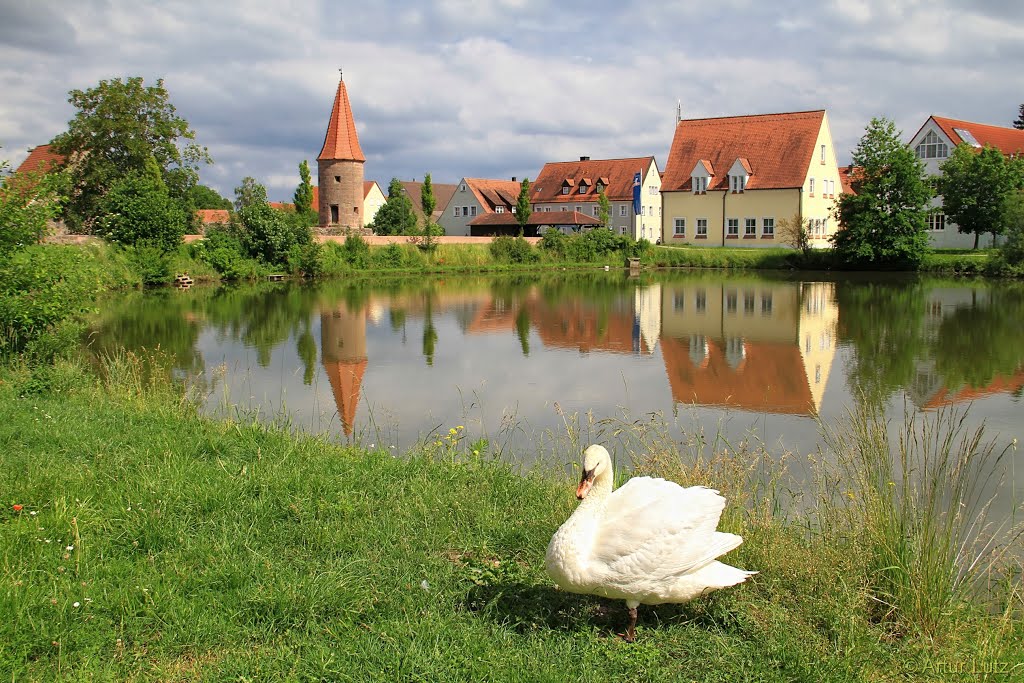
x=600 y=491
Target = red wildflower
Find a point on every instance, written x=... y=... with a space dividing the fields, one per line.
x=17 y=508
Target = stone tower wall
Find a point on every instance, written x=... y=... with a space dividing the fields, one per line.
x=341 y=184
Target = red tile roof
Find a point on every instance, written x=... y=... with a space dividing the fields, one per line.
x=777 y=147
x=442 y=195
x=367 y=186
x=847 y=174
x=494 y=193
x=40 y=160
x=547 y=188
x=209 y=216
x=282 y=206
x=1006 y=140
x=537 y=219
x=341 y=141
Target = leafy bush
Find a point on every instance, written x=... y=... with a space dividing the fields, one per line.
x=266 y=233
x=222 y=250
x=139 y=208
x=42 y=286
x=305 y=259
x=151 y=262
x=391 y=256
x=356 y=251
x=505 y=249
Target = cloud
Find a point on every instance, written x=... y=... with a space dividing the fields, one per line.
x=496 y=88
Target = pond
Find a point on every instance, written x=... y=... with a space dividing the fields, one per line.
x=523 y=359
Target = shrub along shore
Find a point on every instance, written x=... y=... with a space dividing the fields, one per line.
x=148 y=542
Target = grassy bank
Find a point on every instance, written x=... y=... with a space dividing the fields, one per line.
x=140 y=541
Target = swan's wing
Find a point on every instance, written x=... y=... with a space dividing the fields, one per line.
x=655 y=528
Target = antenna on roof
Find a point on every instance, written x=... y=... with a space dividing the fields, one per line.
x=679 y=111
x=341 y=75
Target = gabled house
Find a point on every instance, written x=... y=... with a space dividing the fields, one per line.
x=41 y=160
x=934 y=142
x=442 y=195
x=507 y=223
x=373 y=199
x=632 y=186
x=474 y=198
x=729 y=181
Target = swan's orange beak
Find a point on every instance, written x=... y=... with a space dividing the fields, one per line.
x=586 y=482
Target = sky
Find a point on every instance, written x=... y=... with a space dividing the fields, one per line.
x=496 y=88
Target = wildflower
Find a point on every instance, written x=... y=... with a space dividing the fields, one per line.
x=69 y=548
x=34 y=513
x=424 y=585
x=17 y=507
x=77 y=604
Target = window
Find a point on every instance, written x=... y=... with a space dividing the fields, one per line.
x=749 y=227
x=678 y=300
x=679 y=227
x=738 y=182
x=643 y=210
x=462 y=188
x=583 y=188
x=824 y=226
x=936 y=221
x=472 y=211
x=766 y=304
x=565 y=189
x=768 y=227
x=832 y=188
x=700 y=184
x=499 y=209
x=730 y=301
x=823 y=154
x=701 y=301
x=650 y=210
x=597 y=209
x=600 y=187
x=733 y=227
x=702 y=227
x=931 y=147
x=337 y=178
x=513 y=209
x=622 y=211
x=334 y=213
x=812 y=187
x=578 y=208
x=455 y=212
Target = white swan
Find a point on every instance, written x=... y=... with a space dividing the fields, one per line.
x=650 y=542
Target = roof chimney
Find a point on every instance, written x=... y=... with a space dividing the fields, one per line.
x=513 y=179
x=584 y=158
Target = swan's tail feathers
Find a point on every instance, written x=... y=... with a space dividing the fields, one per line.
x=724 y=542
x=719 y=575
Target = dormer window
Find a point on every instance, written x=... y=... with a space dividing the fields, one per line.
x=700 y=184
x=583 y=187
x=565 y=189
x=700 y=176
x=739 y=174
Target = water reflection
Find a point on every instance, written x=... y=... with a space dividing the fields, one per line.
x=754 y=345
x=768 y=346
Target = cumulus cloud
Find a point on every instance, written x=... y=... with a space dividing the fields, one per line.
x=495 y=88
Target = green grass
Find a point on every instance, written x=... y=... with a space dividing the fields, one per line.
x=154 y=544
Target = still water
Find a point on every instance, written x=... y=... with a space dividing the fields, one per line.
x=521 y=359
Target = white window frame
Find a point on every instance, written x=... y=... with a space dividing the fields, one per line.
x=700 y=184
x=456 y=214
x=499 y=209
x=750 y=227
x=565 y=189
x=768 y=226
x=732 y=227
x=931 y=147
x=702 y=227
x=823 y=154
x=622 y=211
x=679 y=227
x=811 y=192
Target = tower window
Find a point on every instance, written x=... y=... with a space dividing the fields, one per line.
x=334 y=213
x=337 y=178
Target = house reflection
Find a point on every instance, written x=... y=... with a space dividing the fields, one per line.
x=760 y=346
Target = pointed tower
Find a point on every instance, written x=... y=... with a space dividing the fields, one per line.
x=340 y=167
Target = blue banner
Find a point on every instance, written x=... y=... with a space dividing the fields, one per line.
x=637 y=182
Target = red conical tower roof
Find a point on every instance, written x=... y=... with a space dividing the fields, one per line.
x=341 y=142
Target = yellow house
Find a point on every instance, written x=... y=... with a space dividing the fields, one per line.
x=732 y=181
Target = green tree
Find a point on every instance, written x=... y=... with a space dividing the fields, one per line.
x=604 y=208
x=28 y=201
x=117 y=127
x=303 y=196
x=428 y=203
x=1012 y=250
x=249 y=193
x=204 y=197
x=396 y=217
x=523 y=205
x=1019 y=122
x=139 y=209
x=882 y=224
x=974 y=186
